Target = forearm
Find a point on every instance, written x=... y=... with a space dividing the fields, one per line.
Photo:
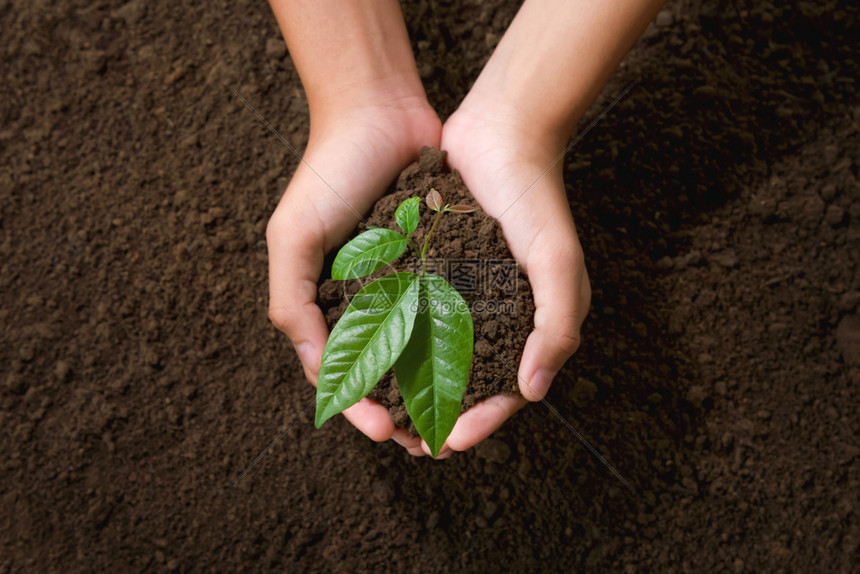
x=557 y=55
x=349 y=53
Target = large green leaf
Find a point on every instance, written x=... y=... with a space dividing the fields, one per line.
x=406 y=215
x=367 y=253
x=433 y=370
x=366 y=342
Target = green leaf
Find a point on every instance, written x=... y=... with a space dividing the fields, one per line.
x=433 y=371
x=406 y=215
x=366 y=342
x=368 y=253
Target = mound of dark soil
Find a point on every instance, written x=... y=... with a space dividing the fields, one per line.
x=470 y=252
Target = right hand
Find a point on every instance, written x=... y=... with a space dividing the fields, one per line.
x=352 y=156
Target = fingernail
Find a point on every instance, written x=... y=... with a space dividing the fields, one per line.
x=307 y=355
x=541 y=381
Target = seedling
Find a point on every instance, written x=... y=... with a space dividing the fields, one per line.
x=415 y=322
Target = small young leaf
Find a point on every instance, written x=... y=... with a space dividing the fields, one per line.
x=406 y=215
x=462 y=208
x=366 y=342
x=433 y=370
x=434 y=200
x=367 y=253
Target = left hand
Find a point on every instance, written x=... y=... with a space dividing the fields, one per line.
x=502 y=162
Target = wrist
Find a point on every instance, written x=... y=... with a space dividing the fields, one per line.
x=557 y=55
x=529 y=137
x=346 y=99
x=350 y=55
x=519 y=84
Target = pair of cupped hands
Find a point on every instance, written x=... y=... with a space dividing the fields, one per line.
x=355 y=149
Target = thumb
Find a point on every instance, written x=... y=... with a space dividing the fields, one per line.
x=296 y=255
x=562 y=294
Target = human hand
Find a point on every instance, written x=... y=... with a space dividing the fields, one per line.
x=353 y=153
x=505 y=139
x=505 y=166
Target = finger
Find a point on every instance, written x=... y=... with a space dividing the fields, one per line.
x=296 y=251
x=405 y=439
x=444 y=452
x=562 y=296
x=295 y=262
x=310 y=219
x=372 y=419
x=416 y=451
x=479 y=422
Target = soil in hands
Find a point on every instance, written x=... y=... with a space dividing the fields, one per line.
x=470 y=252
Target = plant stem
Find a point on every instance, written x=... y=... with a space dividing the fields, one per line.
x=414 y=247
x=417 y=253
x=427 y=239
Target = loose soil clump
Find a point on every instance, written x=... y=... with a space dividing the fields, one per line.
x=470 y=252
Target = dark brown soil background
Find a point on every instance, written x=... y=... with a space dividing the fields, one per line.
x=719 y=209
x=499 y=296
